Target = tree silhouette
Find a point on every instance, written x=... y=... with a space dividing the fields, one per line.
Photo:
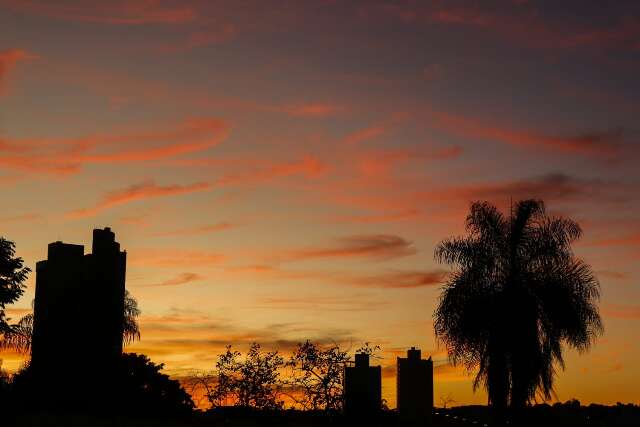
x=446 y=400
x=251 y=383
x=516 y=295
x=371 y=350
x=12 y=277
x=317 y=376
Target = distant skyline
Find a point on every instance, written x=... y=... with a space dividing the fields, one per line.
x=282 y=170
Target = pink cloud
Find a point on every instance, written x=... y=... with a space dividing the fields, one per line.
x=377 y=247
x=375 y=130
x=120 y=12
x=181 y=279
x=193 y=136
x=523 y=25
x=622 y=311
x=68 y=156
x=632 y=239
x=373 y=218
x=195 y=231
x=379 y=163
x=616 y=275
x=260 y=172
x=30 y=217
x=201 y=38
x=174 y=258
x=365 y=134
x=596 y=144
x=145 y=190
x=401 y=280
x=8 y=60
x=322 y=304
x=313 y=110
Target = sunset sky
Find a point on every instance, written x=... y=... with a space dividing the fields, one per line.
x=282 y=170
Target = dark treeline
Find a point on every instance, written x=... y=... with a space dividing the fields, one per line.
x=516 y=298
x=310 y=379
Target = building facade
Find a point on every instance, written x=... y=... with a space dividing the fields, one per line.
x=415 y=386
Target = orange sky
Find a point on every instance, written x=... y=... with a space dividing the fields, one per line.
x=282 y=170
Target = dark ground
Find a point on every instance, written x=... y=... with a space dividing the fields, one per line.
x=473 y=416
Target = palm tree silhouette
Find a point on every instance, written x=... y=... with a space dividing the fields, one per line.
x=130 y=330
x=19 y=336
x=516 y=295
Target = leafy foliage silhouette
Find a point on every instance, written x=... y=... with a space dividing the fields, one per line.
x=251 y=383
x=13 y=274
x=516 y=295
x=317 y=375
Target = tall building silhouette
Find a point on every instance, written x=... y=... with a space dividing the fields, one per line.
x=415 y=387
x=362 y=387
x=78 y=312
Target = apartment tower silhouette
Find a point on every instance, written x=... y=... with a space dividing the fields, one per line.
x=415 y=387
x=362 y=387
x=78 y=312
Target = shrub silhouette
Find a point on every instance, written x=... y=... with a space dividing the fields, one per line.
x=138 y=387
x=142 y=388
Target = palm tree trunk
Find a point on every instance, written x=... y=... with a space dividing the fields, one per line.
x=498 y=380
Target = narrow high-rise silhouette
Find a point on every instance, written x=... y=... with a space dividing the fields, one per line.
x=415 y=387
x=362 y=387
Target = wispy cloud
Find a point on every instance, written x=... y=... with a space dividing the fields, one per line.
x=175 y=258
x=212 y=35
x=622 y=311
x=615 y=275
x=401 y=279
x=599 y=144
x=260 y=172
x=378 y=164
x=145 y=190
x=321 y=303
x=373 y=218
x=199 y=230
x=631 y=239
x=386 y=279
x=117 y=12
x=313 y=110
x=20 y=218
x=375 y=246
x=518 y=22
x=68 y=156
x=181 y=279
x=8 y=60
